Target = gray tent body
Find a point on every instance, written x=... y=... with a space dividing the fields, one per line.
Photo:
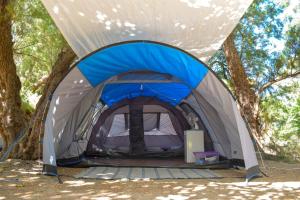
x=75 y=106
x=122 y=46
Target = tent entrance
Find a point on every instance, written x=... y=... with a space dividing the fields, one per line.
x=141 y=132
x=76 y=123
x=140 y=127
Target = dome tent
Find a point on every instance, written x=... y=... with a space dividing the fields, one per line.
x=121 y=72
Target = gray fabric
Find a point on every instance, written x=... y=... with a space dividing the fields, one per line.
x=64 y=140
x=49 y=156
x=212 y=90
x=80 y=138
x=118 y=126
x=89 y=120
x=252 y=172
x=98 y=137
x=67 y=95
x=249 y=154
x=113 y=173
x=150 y=121
x=154 y=109
x=213 y=123
x=159 y=141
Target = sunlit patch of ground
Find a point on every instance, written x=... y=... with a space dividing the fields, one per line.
x=22 y=180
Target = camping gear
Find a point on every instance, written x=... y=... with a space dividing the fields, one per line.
x=208 y=157
x=143 y=53
x=194 y=141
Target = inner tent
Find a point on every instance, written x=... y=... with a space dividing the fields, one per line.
x=158 y=129
x=135 y=99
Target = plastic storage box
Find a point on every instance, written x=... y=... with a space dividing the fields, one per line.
x=193 y=142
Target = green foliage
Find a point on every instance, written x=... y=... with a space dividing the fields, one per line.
x=259 y=38
x=281 y=111
x=268 y=42
x=37 y=43
x=27 y=108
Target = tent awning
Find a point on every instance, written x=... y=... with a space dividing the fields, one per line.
x=197 y=26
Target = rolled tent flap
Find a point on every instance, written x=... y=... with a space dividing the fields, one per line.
x=197 y=26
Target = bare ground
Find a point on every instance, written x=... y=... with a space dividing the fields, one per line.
x=22 y=180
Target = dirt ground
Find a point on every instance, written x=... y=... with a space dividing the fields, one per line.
x=22 y=180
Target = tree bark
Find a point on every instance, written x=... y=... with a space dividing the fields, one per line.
x=246 y=96
x=30 y=147
x=12 y=118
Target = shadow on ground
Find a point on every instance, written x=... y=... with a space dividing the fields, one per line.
x=22 y=180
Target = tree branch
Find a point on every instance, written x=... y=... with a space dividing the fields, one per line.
x=30 y=55
x=271 y=82
x=28 y=45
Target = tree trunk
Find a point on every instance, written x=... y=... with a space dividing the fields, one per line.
x=246 y=96
x=30 y=147
x=12 y=118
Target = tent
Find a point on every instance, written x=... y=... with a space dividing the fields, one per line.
x=139 y=83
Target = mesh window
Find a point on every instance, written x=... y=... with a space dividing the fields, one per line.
x=118 y=127
x=154 y=124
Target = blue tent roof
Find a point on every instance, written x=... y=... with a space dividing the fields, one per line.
x=143 y=56
x=171 y=93
x=137 y=56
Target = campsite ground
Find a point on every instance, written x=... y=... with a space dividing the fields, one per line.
x=22 y=180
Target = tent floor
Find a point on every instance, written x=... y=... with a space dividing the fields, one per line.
x=149 y=162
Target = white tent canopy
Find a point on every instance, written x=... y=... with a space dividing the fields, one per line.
x=197 y=26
